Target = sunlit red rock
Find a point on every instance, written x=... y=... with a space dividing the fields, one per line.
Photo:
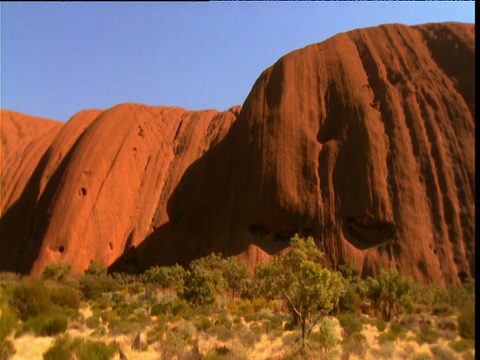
x=365 y=141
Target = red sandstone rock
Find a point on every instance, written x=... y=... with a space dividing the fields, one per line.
x=365 y=141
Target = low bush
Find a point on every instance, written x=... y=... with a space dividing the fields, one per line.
x=396 y=329
x=350 y=323
x=386 y=350
x=7 y=349
x=31 y=298
x=386 y=337
x=181 y=308
x=462 y=345
x=272 y=323
x=92 y=322
x=7 y=323
x=177 y=343
x=261 y=304
x=223 y=333
x=44 y=325
x=65 y=296
x=89 y=350
x=442 y=309
x=202 y=323
x=466 y=320
x=293 y=338
x=354 y=345
x=427 y=335
x=447 y=324
x=442 y=352
x=160 y=309
x=245 y=308
x=421 y=356
x=380 y=324
x=66 y=348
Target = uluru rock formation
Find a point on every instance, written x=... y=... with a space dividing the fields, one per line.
x=364 y=141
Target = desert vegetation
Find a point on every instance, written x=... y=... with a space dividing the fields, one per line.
x=291 y=308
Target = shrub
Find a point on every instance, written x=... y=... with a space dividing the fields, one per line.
x=92 y=322
x=202 y=323
x=7 y=349
x=442 y=309
x=181 y=308
x=177 y=342
x=385 y=351
x=58 y=272
x=466 y=320
x=31 y=298
x=159 y=309
x=380 y=324
x=350 y=323
x=7 y=323
x=354 y=345
x=44 y=326
x=224 y=334
x=65 y=296
x=57 y=353
x=245 y=308
x=396 y=330
x=442 y=352
x=427 y=335
x=261 y=303
x=65 y=348
x=118 y=326
x=56 y=325
x=462 y=345
x=386 y=337
x=447 y=324
x=421 y=356
x=98 y=350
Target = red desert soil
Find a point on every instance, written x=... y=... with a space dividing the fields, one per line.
x=365 y=141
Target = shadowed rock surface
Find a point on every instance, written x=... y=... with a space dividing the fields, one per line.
x=365 y=141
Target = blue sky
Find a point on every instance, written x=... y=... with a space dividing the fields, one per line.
x=60 y=58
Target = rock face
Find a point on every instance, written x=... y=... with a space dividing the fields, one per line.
x=364 y=141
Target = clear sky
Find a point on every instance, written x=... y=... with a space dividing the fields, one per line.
x=60 y=58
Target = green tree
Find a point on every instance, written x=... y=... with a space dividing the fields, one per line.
x=390 y=292
x=236 y=275
x=263 y=283
x=204 y=280
x=355 y=288
x=168 y=277
x=310 y=290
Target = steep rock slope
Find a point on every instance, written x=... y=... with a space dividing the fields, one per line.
x=365 y=141
x=102 y=185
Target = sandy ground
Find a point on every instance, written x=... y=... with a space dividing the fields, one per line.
x=29 y=347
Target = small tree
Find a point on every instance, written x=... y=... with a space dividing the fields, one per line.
x=309 y=290
x=168 y=277
x=390 y=291
x=200 y=288
x=204 y=280
x=236 y=275
x=263 y=283
x=355 y=288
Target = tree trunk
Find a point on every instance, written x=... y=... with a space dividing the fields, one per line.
x=303 y=332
